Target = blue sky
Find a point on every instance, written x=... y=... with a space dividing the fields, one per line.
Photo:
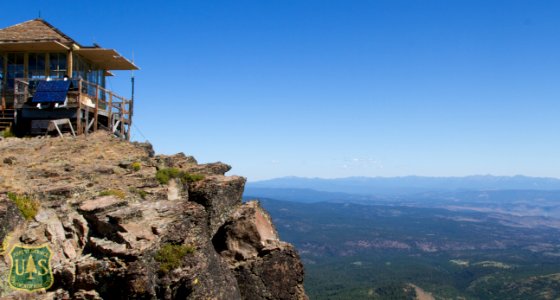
x=336 y=88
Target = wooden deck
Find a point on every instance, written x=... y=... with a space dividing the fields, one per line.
x=95 y=107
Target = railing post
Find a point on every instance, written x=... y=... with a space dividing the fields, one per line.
x=95 y=117
x=25 y=93
x=122 y=118
x=79 y=112
x=129 y=119
x=87 y=120
x=110 y=113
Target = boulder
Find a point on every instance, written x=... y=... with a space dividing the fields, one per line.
x=219 y=195
x=217 y=168
x=247 y=232
x=265 y=267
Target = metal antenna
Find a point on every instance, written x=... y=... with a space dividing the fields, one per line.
x=132 y=78
x=132 y=90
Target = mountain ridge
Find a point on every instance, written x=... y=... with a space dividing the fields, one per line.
x=410 y=184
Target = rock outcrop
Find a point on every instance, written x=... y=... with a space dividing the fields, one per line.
x=117 y=231
x=265 y=267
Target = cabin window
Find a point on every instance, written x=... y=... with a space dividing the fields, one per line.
x=36 y=67
x=57 y=65
x=1 y=70
x=79 y=68
x=16 y=67
x=94 y=76
x=90 y=76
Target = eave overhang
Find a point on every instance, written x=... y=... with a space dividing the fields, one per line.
x=27 y=46
x=107 y=59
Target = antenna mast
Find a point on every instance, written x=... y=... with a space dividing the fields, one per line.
x=132 y=79
x=131 y=97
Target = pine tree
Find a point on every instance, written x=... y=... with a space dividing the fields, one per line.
x=30 y=268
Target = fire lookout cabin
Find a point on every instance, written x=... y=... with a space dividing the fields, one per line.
x=47 y=78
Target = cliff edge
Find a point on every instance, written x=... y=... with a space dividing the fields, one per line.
x=121 y=222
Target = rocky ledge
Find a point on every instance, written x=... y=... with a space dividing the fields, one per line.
x=124 y=223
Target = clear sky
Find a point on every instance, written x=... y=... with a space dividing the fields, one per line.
x=335 y=88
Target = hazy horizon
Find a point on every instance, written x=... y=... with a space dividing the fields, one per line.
x=407 y=176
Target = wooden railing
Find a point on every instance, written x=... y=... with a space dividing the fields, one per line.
x=89 y=99
x=117 y=108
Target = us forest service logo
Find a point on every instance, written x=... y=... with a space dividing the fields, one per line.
x=31 y=268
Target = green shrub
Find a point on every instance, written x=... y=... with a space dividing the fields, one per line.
x=117 y=193
x=187 y=177
x=27 y=207
x=136 y=166
x=8 y=133
x=170 y=256
x=164 y=175
x=140 y=192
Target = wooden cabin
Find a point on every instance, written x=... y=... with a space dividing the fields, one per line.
x=47 y=78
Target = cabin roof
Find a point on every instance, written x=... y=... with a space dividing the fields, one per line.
x=34 y=31
x=39 y=35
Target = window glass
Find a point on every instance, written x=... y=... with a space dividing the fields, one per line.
x=1 y=72
x=91 y=76
x=78 y=67
x=36 y=67
x=1 y=69
x=57 y=65
x=15 y=67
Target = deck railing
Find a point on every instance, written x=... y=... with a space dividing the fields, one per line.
x=90 y=99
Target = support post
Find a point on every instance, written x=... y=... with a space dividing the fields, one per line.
x=47 y=64
x=69 y=63
x=26 y=65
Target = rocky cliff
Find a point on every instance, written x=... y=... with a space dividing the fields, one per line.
x=123 y=223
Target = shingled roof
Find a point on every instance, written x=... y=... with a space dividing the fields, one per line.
x=39 y=35
x=34 y=31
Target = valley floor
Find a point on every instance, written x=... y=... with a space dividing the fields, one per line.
x=355 y=251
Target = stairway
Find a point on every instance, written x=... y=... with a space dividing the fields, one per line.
x=6 y=118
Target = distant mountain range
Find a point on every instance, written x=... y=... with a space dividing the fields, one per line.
x=307 y=195
x=394 y=186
